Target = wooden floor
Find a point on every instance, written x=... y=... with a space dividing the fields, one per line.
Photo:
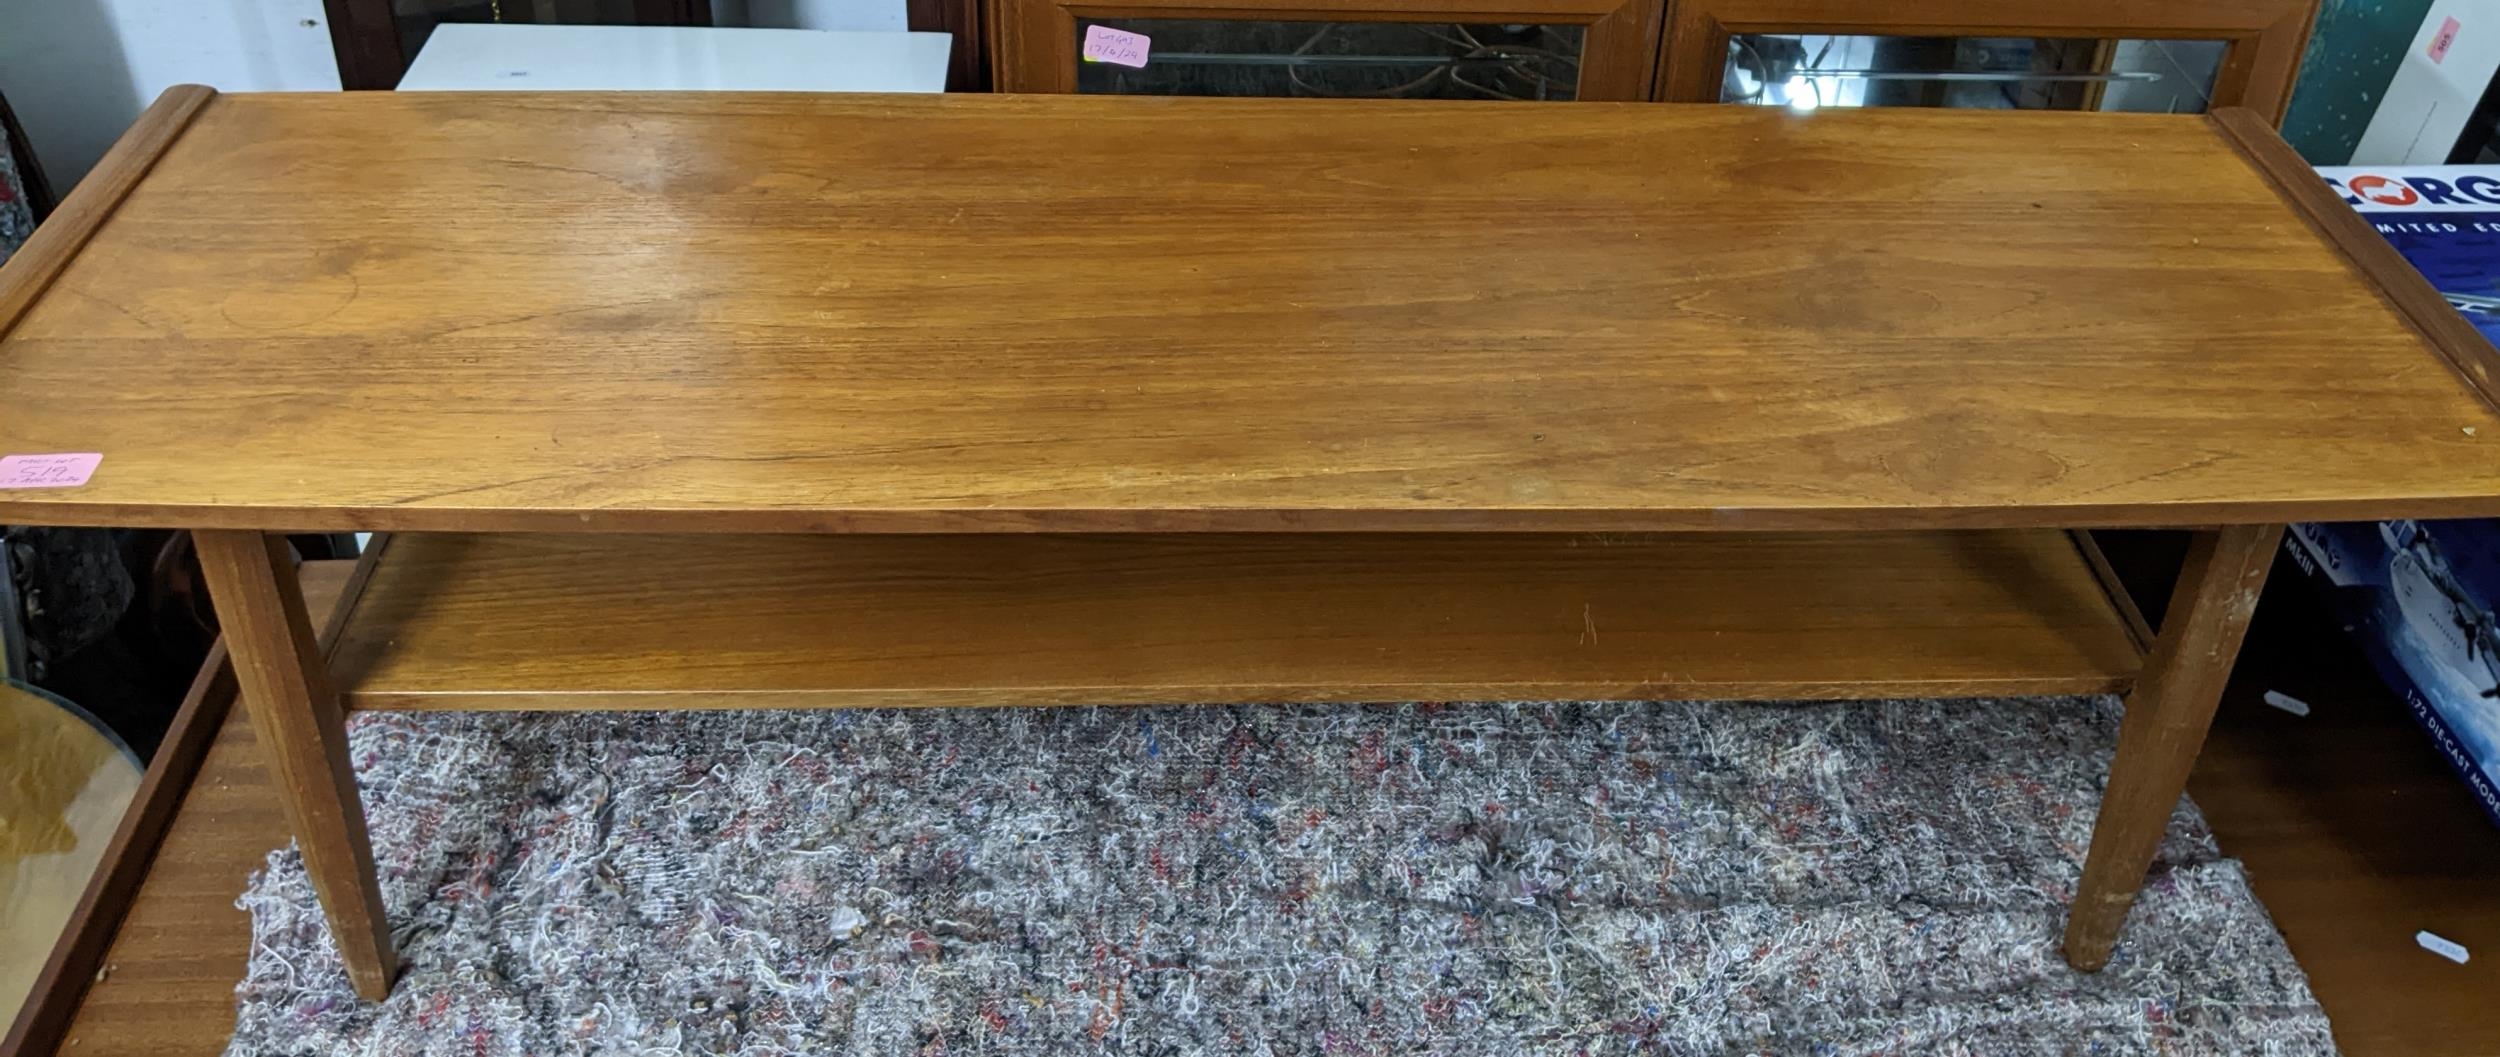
x=2355 y=832
x=168 y=985
x=2356 y=835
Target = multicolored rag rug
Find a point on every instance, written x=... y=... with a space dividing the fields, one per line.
x=1537 y=878
x=17 y=215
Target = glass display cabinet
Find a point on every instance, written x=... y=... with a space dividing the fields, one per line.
x=2180 y=56
x=1548 y=50
x=1412 y=60
x=2017 y=73
x=2172 y=56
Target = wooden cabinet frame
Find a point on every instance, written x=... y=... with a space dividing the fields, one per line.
x=1035 y=40
x=366 y=36
x=2264 y=38
x=968 y=65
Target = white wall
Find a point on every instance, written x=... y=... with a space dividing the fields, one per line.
x=79 y=71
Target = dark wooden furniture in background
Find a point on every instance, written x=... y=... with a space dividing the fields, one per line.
x=375 y=40
x=1034 y=42
x=968 y=65
x=1681 y=49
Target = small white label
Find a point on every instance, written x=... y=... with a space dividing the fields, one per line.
x=2287 y=702
x=2441 y=946
x=847 y=921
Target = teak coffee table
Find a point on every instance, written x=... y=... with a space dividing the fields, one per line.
x=730 y=401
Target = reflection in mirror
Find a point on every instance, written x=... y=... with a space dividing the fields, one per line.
x=1805 y=71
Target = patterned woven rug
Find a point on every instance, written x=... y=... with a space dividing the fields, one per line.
x=1418 y=879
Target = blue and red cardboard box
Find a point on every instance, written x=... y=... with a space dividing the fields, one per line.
x=2421 y=595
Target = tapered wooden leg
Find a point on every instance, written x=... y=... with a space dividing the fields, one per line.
x=2167 y=714
x=286 y=689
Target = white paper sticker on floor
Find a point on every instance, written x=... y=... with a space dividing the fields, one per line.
x=2441 y=946
x=2287 y=702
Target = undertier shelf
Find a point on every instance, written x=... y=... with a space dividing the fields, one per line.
x=589 y=621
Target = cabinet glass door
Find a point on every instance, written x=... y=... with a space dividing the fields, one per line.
x=2005 y=73
x=1390 y=60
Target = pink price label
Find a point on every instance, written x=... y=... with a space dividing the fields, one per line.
x=68 y=470
x=1116 y=46
x=2442 y=40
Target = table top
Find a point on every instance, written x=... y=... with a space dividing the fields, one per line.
x=774 y=312
x=503 y=56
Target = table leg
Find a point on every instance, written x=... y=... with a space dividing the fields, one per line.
x=2167 y=714
x=286 y=689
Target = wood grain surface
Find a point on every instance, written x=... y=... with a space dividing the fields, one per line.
x=2167 y=715
x=724 y=312
x=167 y=984
x=2413 y=295
x=284 y=683
x=498 y=621
x=48 y=251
